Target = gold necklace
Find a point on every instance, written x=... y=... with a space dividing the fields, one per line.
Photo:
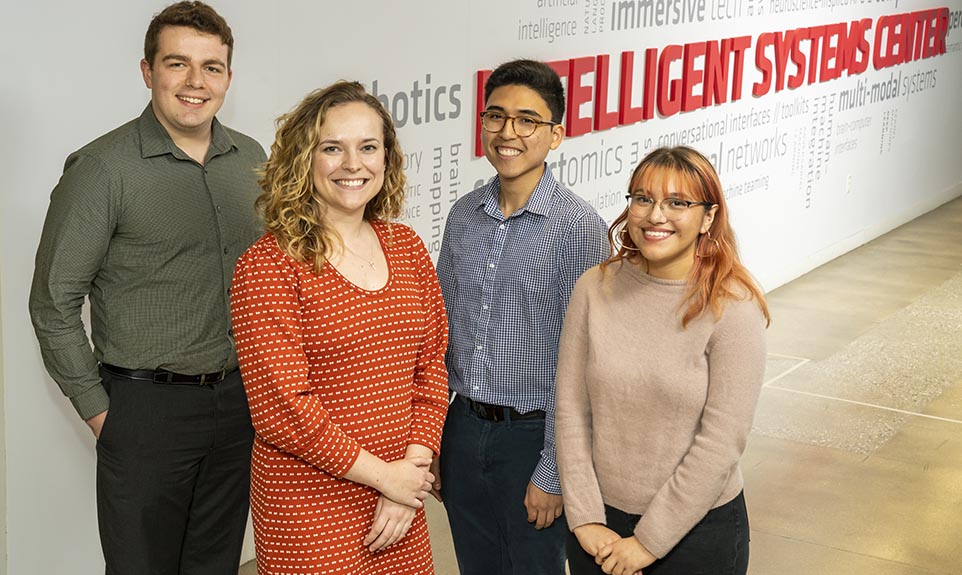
x=368 y=261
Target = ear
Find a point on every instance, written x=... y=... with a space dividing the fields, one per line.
x=557 y=135
x=146 y=73
x=709 y=218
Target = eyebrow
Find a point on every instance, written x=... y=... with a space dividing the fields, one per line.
x=644 y=192
x=336 y=141
x=182 y=58
x=522 y=112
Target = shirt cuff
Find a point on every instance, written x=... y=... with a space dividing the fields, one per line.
x=545 y=477
x=91 y=402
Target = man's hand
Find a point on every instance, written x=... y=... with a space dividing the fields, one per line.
x=391 y=523
x=543 y=508
x=594 y=536
x=96 y=423
x=435 y=470
x=626 y=556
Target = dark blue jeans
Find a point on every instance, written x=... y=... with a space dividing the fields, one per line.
x=485 y=469
x=717 y=545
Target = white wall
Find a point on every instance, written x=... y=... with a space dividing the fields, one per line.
x=72 y=74
x=3 y=443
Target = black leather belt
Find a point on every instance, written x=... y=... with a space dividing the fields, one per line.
x=493 y=412
x=164 y=376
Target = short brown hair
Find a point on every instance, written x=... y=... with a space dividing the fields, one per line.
x=190 y=14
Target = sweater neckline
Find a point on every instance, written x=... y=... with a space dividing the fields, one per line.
x=643 y=277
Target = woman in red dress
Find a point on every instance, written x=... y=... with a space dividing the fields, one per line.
x=341 y=333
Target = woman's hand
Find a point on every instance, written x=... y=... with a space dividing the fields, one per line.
x=407 y=481
x=415 y=451
x=594 y=536
x=391 y=523
x=625 y=556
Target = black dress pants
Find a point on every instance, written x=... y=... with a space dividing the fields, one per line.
x=173 y=477
x=716 y=545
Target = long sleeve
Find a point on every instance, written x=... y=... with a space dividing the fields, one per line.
x=585 y=246
x=579 y=482
x=430 y=401
x=268 y=328
x=76 y=234
x=736 y=365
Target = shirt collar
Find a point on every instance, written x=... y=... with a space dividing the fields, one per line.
x=155 y=141
x=539 y=202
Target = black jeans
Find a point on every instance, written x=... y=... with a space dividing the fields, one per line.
x=173 y=477
x=717 y=545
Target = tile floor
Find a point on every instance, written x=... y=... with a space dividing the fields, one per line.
x=854 y=466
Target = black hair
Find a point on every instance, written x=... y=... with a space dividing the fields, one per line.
x=532 y=74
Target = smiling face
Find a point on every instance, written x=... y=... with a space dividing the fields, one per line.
x=667 y=246
x=349 y=160
x=519 y=161
x=188 y=81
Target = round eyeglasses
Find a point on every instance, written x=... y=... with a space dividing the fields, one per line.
x=673 y=209
x=523 y=126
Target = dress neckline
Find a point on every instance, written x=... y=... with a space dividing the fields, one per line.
x=376 y=226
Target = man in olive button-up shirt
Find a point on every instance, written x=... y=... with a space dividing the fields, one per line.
x=134 y=223
x=148 y=221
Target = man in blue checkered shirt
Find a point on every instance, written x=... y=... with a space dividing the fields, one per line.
x=512 y=252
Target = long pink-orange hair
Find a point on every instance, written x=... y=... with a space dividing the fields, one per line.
x=716 y=274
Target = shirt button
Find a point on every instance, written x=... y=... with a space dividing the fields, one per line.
x=225 y=251
x=501 y=227
x=491 y=266
x=480 y=347
x=218 y=209
x=484 y=306
x=230 y=332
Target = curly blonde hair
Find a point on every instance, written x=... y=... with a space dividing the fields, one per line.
x=292 y=212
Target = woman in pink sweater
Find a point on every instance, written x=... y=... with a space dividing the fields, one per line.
x=660 y=366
